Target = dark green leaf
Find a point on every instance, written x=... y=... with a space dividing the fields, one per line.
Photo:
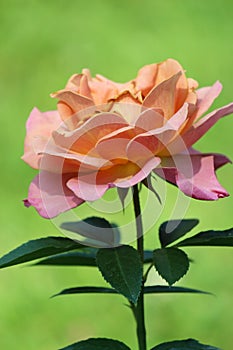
x=83 y=257
x=38 y=248
x=169 y=289
x=87 y=290
x=97 y=344
x=171 y=264
x=188 y=344
x=122 y=268
x=97 y=231
x=147 y=290
x=210 y=238
x=171 y=230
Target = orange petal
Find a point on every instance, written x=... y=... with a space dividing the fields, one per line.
x=169 y=68
x=126 y=97
x=163 y=96
x=75 y=101
x=145 y=80
x=84 y=139
x=74 y=82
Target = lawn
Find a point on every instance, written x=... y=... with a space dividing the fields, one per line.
x=42 y=44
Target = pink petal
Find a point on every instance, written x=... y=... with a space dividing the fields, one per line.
x=86 y=187
x=39 y=127
x=141 y=175
x=163 y=96
x=195 y=175
x=204 y=124
x=199 y=129
x=49 y=195
x=206 y=97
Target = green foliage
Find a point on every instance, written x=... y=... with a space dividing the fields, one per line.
x=83 y=257
x=97 y=344
x=172 y=230
x=171 y=264
x=188 y=344
x=38 y=248
x=171 y=289
x=81 y=290
x=210 y=238
x=122 y=268
x=97 y=231
x=146 y=290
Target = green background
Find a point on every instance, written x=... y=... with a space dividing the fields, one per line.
x=42 y=44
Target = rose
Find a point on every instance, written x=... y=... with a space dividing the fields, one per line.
x=106 y=134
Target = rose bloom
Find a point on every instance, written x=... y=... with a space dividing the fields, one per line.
x=105 y=134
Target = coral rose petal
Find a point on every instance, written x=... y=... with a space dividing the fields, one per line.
x=145 y=80
x=126 y=97
x=169 y=68
x=154 y=140
x=163 y=96
x=74 y=82
x=150 y=119
x=49 y=195
x=130 y=112
x=197 y=130
x=204 y=124
x=84 y=88
x=75 y=101
x=84 y=138
x=195 y=175
x=39 y=126
x=87 y=188
x=64 y=110
x=79 y=83
x=114 y=145
x=54 y=160
x=141 y=174
x=102 y=89
x=127 y=132
x=206 y=96
x=113 y=148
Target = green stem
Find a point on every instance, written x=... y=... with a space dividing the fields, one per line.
x=139 y=309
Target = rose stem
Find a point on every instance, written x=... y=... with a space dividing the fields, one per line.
x=139 y=308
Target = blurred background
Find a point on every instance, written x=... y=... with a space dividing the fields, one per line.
x=42 y=44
